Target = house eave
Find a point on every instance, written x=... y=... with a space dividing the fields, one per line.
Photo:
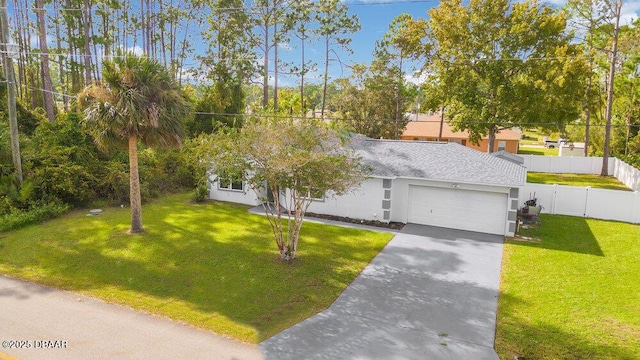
x=509 y=185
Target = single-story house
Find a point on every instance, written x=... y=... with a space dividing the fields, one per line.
x=431 y=183
x=427 y=128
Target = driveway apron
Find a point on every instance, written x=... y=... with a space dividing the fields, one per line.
x=431 y=293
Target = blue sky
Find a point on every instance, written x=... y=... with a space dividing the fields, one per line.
x=375 y=20
x=376 y=15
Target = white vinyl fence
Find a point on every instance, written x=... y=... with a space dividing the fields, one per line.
x=624 y=172
x=585 y=201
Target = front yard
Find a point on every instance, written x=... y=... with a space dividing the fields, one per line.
x=213 y=265
x=572 y=295
x=542 y=151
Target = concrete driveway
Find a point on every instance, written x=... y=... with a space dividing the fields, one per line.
x=431 y=293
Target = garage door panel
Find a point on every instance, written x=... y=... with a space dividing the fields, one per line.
x=456 y=208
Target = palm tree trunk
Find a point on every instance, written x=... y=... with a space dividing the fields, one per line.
x=134 y=186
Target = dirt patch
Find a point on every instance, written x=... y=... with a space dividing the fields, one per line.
x=521 y=238
x=391 y=225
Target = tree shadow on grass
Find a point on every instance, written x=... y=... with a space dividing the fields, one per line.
x=214 y=266
x=562 y=233
x=517 y=335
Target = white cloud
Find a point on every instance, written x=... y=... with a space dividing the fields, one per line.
x=137 y=50
x=284 y=46
x=35 y=41
x=556 y=2
x=416 y=78
x=191 y=75
x=630 y=10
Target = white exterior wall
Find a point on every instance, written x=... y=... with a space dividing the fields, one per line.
x=246 y=196
x=363 y=203
x=585 y=201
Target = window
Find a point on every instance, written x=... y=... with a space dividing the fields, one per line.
x=502 y=145
x=313 y=194
x=226 y=184
x=316 y=195
x=457 y=141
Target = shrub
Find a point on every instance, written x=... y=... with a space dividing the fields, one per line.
x=62 y=162
x=113 y=184
x=37 y=213
x=201 y=194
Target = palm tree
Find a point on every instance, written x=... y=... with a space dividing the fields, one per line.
x=136 y=101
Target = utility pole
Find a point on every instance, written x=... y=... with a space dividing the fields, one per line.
x=7 y=63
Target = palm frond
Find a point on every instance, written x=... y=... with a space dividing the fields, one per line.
x=136 y=97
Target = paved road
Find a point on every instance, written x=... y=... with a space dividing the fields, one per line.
x=430 y=294
x=91 y=329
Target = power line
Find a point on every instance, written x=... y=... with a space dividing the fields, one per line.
x=200 y=57
x=51 y=92
x=275 y=116
x=345 y=119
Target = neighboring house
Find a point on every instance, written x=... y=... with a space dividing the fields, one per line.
x=430 y=183
x=427 y=128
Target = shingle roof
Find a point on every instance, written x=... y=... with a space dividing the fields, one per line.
x=429 y=126
x=437 y=161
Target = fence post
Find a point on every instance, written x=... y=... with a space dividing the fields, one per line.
x=554 y=198
x=635 y=214
x=586 y=201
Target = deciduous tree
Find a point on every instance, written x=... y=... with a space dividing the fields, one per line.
x=505 y=64
x=295 y=160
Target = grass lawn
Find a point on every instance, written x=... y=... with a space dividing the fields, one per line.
x=595 y=181
x=534 y=137
x=530 y=137
x=574 y=294
x=211 y=265
x=523 y=150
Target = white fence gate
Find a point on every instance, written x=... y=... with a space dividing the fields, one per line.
x=585 y=201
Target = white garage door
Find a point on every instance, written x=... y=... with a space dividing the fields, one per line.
x=458 y=209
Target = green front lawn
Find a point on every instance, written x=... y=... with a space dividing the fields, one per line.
x=531 y=137
x=595 y=181
x=542 y=151
x=213 y=265
x=574 y=294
